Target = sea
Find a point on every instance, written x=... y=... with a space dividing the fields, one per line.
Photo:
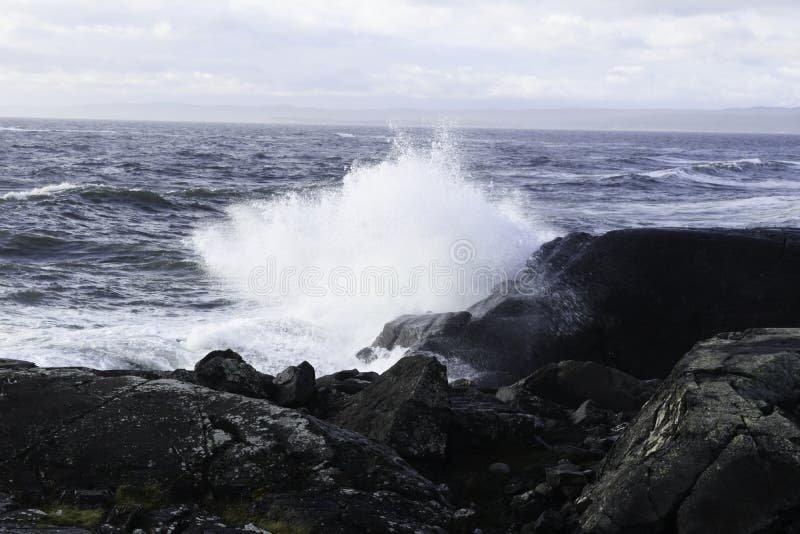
x=146 y=244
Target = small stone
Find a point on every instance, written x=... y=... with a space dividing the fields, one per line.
x=544 y=489
x=499 y=468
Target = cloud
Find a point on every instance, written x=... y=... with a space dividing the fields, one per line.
x=676 y=53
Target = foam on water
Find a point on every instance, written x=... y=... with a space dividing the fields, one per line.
x=368 y=249
x=40 y=191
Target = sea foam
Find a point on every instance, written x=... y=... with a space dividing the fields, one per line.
x=370 y=245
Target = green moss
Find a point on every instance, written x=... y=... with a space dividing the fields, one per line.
x=149 y=497
x=241 y=514
x=281 y=527
x=66 y=515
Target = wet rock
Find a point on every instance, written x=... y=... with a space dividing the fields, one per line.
x=704 y=455
x=635 y=300
x=409 y=330
x=349 y=382
x=162 y=444
x=407 y=408
x=568 y=478
x=15 y=364
x=294 y=386
x=225 y=370
x=571 y=382
x=588 y=413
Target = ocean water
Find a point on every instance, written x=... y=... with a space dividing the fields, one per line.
x=146 y=245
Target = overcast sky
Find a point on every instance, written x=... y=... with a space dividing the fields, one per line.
x=421 y=54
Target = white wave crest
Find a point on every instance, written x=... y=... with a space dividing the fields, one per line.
x=415 y=209
x=41 y=191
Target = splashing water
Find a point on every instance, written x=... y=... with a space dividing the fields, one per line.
x=325 y=270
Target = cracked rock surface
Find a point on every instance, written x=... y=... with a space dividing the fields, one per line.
x=717 y=449
x=160 y=442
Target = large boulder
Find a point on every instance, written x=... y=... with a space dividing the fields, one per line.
x=150 y=444
x=226 y=370
x=407 y=408
x=717 y=449
x=635 y=300
x=571 y=382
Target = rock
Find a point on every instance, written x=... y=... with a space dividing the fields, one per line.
x=588 y=414
x=225 y=370
x=549 y=522
x=161 y=445
x=544 y=489
x=15 y=364
x=464 y=521
x=407 y=408
x=568 y=478
x=294 y=386
x=717 y=449
x=349 y=382
x=635 y=300
x=409 y=330
x=500 y=469
x=571 y=382
x=528 y=506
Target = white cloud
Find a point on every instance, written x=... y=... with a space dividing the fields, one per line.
x=401 y=52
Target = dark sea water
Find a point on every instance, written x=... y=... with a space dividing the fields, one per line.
x=127 y=244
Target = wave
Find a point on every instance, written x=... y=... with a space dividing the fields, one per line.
x=49 y=130
x=138 y=197
x=345 y=135
x=412 y=212
x=92 y=191
x=44 y=191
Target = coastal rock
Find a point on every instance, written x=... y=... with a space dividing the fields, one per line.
x=348 y=382
x=635 y=300
x=570 y=383
x=407 y=408
x=15 y=364
x=225 y=370
x=717 y=449
x=160 y=444
x=294 y=386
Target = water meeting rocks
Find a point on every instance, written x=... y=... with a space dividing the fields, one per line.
x=635 y=300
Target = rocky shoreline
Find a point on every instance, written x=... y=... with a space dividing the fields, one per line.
x=584 y=430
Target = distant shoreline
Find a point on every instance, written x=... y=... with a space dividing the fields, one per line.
x=775 y=121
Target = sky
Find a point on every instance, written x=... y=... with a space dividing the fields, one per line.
x=436 y=54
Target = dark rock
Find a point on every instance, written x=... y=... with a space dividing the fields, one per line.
x=225 y=370
x=294 y=386
x=635 y=300
x=549 y=522
x=7 y=503
x=349 y=382
x=704 y=455
x=500 y=469
x=161 y=444
x=465 y=521
x=528 y=506
x=570 y=382
x=410 y=330
x=407 y=408
x=568 y=478
x=588 y=414
x=15 y=364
